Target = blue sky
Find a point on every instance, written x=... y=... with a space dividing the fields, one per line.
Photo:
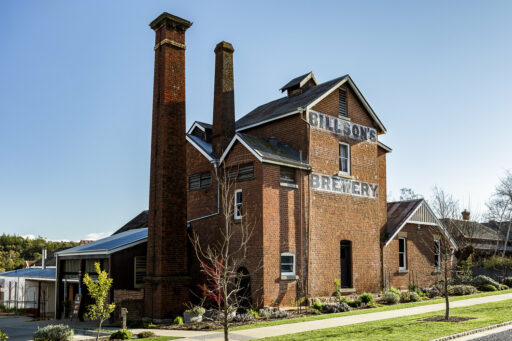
x=76 y=93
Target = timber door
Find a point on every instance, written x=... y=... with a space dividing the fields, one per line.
x=346 y=263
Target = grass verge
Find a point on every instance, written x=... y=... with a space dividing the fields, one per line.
x=364 y=311
x=409 y=328
x=159 y=338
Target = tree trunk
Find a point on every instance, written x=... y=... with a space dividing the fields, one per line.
x=506 y=241
x=98 y=334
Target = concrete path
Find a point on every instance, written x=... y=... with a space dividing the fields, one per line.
x=293 y=328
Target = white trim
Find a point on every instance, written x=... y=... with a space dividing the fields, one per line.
x=281 y=264
x=348 y=159
x=195 y=125
x=307 y=78
x=359 y=95
x=404 y=253
x=270 y=120
x=438 y=254
x=420 y=223
x=201 y=150
x=383 y=146
x=438 y=223
x=102 y=252
x=292 y=165
x=237 y=216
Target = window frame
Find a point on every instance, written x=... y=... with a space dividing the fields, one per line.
x=135 y=284
x=402 y=253
x=237 y=214
x=437 y=254
x=347 y=172
x=284 y=180
x=287 y=254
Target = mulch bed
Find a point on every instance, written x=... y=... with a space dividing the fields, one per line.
x=454 y=319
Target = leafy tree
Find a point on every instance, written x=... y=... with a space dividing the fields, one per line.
x=98 y=290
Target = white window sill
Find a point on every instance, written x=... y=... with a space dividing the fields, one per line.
x=288 y=277
x=346 y=118
x=285 y=184
x=344 y=175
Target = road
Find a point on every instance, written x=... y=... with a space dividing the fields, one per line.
x=19 y=328
x=499 y=334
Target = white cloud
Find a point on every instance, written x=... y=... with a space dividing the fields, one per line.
x=29 y=236
x=96 y=236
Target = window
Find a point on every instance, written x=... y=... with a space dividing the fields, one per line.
x=200 y=180
x=287 y=264
x=437 y=254
x=344 y=158
x=238 y=204
x=402 y=254
x=287 y=176
x=139 y=271
x=343 y=104
x=241 y=172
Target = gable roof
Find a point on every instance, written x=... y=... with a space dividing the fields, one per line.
x=109 y=245
x=471 y=229
x=141 y=220
x=415 y=211
x=268 y=151
x=287 y=106
x=300 y=81
x=200 y=125
x=203 y=147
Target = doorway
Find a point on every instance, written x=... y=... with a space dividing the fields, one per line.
x=346 y=263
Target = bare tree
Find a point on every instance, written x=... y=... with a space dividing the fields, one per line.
x=446 y=207
x=408 y=194
x=501 y=206
x=221 y=260
x=499 y=210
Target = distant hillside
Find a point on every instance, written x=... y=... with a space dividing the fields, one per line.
x=15 y=250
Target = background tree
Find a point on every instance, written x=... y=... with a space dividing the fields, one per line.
x=408 y=194
x=445 y=206
x=500 y=209
x=98 y=289
x=220 y=261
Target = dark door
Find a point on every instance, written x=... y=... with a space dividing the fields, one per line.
x=346 y=263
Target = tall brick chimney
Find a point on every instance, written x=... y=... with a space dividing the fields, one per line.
x=223 y=98
x=465 y=215
x=166 y=288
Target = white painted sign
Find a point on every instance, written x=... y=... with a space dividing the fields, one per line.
x=341 y=127
x=339 y=185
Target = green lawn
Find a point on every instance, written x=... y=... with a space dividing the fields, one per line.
x=409 y=328
x=364 y=311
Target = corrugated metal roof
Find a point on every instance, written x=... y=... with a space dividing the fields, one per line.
x=399 y=212
x=274 y=150
x=285 y=105
x=109 y=244
x=31 y=272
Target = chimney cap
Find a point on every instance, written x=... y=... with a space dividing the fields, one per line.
x=224 y=45
x=180 y=22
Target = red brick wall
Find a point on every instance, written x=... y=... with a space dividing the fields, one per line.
x=420 y=258
x=336 y=217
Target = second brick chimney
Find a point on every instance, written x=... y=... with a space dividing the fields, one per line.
x=465 y=215
x=223 y=99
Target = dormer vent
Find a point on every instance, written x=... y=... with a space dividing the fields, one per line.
x=300 y=84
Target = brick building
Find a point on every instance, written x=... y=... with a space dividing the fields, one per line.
x=310 y=173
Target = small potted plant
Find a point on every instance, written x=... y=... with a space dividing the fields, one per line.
x=195 y=314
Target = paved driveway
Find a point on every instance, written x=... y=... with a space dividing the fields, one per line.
x=19 y=328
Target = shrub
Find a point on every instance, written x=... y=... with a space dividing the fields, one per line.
x=396 y=291
x=273 y=313
x=243 y=317
x=196 y=310
x=254 y=313
x=409 y=296
x=178 y=320
x=337 y=287
x=315 y=311
x=121 y=334
x=3 y=336
x=507 y=281
x=459 y=290
x=391 y=297
x=58 y=332
x=146 y=334
x=432 y=292
x=496 y=262
x=366 y=298
x=317 y=305
x=503 y=287
x=330 y=308
x=2 y=308
x=487 y=287
x=482 y=280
